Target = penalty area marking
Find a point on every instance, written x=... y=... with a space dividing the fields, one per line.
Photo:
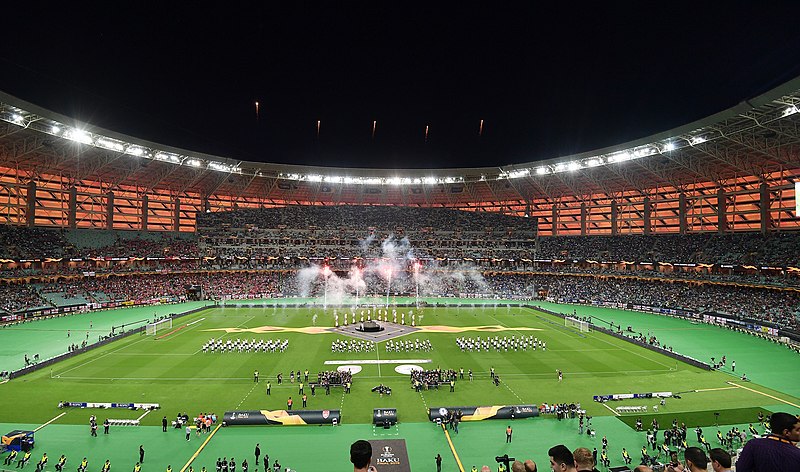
x=765 y=394
x=611 y=409
x=42 y=426
x=195 y=321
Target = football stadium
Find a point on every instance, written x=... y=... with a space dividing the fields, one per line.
x=166 y=309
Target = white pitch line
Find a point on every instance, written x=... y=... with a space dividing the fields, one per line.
x=144 y=414
x=610 y=409
x=248 y=394
x=100 y=357
x=714 y=389
x=378 y=353
x=765 y=394
x=634 y=352
x=512 y=391
x=42 y=426
x=379 y=361
x=423 y=399
x=195 y=321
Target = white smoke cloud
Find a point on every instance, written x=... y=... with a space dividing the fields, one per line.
x=390 y=270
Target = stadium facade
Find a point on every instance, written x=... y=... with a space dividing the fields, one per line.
x=734 y=171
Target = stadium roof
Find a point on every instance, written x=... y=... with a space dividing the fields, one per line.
x=755 y=138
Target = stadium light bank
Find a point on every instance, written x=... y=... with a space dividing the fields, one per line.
x=29 y=120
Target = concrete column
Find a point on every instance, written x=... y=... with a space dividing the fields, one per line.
x=766 y=216
x=682 y=219
x=176 y=218
x=648 y=207
x=722 y=212
x=555 y=220
x=110 y=210
x=583 y=218
x=614 y=227
x=30 y=203
x=72 y=211
x=145 y=212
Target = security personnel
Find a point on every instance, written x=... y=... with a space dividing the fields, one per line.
x=625 y=456
x=474 y=469
x=137 y=467
x=106 y=466
x=42 y=462
x=10 y=457
x=300 y=390
x=25 y=458
x=61 y=463
x=269 y=387
x=84 y=464
x=604 y=458
x=452 y=386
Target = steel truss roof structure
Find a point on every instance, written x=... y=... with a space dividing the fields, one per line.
x=733 y=171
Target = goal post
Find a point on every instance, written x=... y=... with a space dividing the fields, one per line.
x=581 y=325
x=160 y=325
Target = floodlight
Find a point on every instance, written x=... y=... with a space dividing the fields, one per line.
x=136 y=151
x=55 y=129
x=574 y=165
x=541 y=170
x=79 y=136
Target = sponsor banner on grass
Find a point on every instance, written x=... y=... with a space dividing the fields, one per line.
x=478 y=413
x=281 y=417
x=390 y=455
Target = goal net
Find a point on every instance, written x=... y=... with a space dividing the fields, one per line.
x=153 y=328
x=571 y=322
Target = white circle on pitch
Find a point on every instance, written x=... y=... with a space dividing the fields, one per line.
x=352 y=369
x=406 y=368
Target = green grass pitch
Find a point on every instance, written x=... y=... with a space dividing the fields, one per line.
x=173 y=371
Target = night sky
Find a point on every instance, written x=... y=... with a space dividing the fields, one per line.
x=547 y=80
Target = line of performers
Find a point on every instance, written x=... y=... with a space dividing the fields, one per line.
x=377 y=314
x=408 y=345
x=352 y=345
x=504 y=344
x=243 y=345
